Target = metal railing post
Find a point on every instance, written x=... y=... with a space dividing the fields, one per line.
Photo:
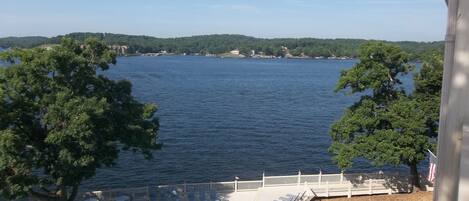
x=263 y=179
x=320 y=177
x=341 y=177
x=370 y=187
x=236 y=185
x=349 y=191
x=299 y=178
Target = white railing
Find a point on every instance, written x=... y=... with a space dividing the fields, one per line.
x=248 y=185
x=322 y=185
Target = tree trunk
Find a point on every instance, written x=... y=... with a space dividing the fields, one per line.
x=415 y=177
x=62 y=194
x=74 y=193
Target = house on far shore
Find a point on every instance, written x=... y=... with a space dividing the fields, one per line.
x=235 y=51
x=120 y=49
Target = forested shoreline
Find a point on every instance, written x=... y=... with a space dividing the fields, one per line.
x=223 y=43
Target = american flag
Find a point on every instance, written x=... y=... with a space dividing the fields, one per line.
x=432 y=168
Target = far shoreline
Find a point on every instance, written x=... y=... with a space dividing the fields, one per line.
x=343 y=58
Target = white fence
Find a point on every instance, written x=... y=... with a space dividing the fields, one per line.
x=323 y=185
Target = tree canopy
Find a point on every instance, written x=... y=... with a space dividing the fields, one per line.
x=387 y=126
x=60 y=119
x=428 y=84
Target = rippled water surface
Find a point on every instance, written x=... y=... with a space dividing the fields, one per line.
x=222 y=118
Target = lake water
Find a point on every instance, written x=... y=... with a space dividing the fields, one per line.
x=222 y=118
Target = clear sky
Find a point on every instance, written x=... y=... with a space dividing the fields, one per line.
x=417 y=20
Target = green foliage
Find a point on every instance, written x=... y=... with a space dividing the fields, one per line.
x=60 y=120
x=378 y=70
x=23 y=42
x=387 y=126
x=428 y=84
x=218 y=44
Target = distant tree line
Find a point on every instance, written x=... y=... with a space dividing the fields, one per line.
x=218 y=44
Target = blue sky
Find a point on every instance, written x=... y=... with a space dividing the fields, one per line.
x=417 y=20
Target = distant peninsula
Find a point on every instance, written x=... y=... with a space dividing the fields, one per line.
x=225 y=45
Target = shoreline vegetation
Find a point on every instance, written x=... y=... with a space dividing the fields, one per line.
x=240 y=56
x=225 y=46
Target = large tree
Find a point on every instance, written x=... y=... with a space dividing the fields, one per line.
x=61 y=119
x=427 y=90
x=387 y=126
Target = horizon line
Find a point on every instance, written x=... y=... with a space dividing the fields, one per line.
x=214 y=34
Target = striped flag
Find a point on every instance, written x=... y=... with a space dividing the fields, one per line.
x=432 y=168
